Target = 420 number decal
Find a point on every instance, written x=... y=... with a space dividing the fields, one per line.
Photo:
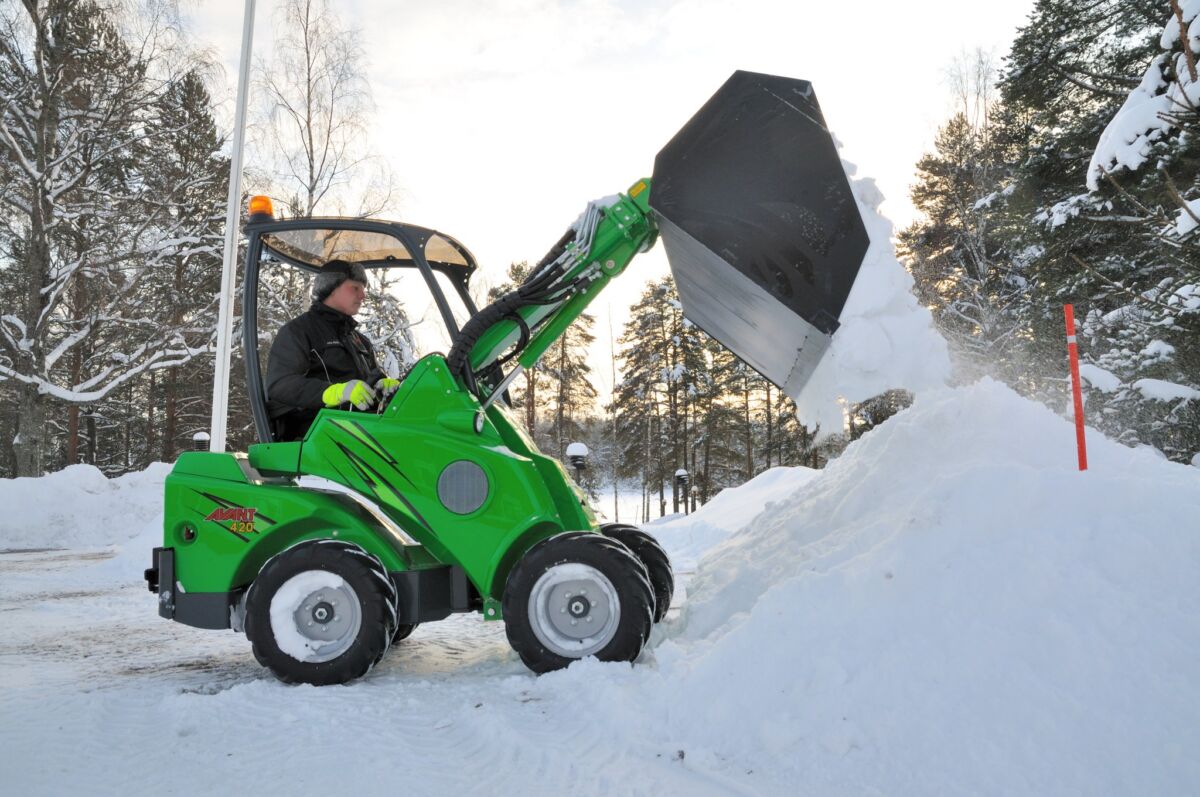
x=241 y=521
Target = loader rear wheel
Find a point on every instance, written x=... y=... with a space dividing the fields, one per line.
x=658 y=564
x=576 y=595
x=321 y=612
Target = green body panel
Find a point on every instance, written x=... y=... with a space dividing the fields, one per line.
x=394 y=459
x=275 y=459
x=219 y=548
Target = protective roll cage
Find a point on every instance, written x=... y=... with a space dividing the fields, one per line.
x=328 y=238
x=308 y=243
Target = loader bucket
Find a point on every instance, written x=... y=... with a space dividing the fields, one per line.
x=761 y=230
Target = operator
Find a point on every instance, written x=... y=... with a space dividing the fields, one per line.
x=320 y=360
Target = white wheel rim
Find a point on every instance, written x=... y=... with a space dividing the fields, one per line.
x=574 y=610
x=315 y=616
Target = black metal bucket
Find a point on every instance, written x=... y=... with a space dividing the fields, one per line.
x=761 y=229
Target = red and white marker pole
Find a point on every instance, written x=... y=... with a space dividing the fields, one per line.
x=1076 y=391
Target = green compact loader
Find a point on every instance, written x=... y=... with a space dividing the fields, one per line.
x=326 y=551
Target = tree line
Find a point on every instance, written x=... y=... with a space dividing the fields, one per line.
x=114 y=182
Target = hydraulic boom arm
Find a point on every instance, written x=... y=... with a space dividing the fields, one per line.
x=523 y=324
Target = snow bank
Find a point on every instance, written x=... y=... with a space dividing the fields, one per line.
x=78 y=507
x=950 y=607
x=886 y=339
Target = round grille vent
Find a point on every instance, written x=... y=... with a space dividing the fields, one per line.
x=462 y=487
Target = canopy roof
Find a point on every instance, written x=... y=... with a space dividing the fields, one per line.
x=373 y=243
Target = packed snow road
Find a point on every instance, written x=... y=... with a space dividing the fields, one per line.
x=950 y=607
x=101 y=695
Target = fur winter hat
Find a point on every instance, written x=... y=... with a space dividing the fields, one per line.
x=333 y=274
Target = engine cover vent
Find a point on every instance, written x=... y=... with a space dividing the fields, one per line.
x=462 y=487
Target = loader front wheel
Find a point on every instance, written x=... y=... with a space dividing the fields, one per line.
x=321 y=613
x=577 y=595
x=658 y=564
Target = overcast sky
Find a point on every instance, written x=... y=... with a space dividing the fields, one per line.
x=501 y=120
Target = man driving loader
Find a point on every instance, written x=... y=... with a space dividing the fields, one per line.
x=320 y=360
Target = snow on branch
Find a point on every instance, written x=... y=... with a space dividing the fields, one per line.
x=1168 y=90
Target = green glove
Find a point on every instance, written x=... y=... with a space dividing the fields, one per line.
x=356 y=392
x=386 y=387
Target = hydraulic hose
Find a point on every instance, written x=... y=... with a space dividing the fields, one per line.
x=539 y=288
x=476 y=326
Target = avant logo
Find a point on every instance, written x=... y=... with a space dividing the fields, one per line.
x=236 y=514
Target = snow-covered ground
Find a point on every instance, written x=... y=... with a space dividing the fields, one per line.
x=948 y=608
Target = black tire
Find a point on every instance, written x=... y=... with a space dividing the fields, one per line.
x=540 y=579
x=404 y=631
x=658 y=564
x=367 y=613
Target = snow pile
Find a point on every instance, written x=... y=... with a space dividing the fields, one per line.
x=951 y=607
x=78 y=507
x=886 y=339
x=688 y=537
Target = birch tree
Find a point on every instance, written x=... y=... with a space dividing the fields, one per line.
x=313 y=125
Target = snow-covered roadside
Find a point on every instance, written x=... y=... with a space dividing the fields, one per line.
x=950 y=607
x=78 y=507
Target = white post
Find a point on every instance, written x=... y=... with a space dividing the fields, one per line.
x=220 y=403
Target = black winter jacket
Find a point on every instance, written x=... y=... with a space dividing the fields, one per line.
x=311 y=352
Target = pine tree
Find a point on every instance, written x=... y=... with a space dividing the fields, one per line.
x=189 y=170
x=640 y=398
x=960 y=267
x=724 y=433
x=1069 y=69
x=669 y=403
x=1143 y=323
x=571 y=395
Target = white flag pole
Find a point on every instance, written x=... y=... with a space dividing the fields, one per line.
x=220 y=403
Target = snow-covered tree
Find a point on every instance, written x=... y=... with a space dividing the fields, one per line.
x=1091 y=162
x=185 y=165
x=1068 y=71
x=1145 y=172
x=956 y=254
x=87 y=227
